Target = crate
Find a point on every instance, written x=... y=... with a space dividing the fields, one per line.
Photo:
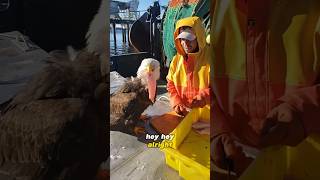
x=190 y=152
x=184 y=127
x=285 y=162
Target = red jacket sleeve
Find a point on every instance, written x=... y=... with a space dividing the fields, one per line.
x=206 y=94
x=175 y=99
x=307 y=102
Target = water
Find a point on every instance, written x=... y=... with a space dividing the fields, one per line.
x=121 y=48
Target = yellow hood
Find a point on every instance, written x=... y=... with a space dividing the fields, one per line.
x=196 y=25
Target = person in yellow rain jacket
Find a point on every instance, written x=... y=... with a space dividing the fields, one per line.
x=189 y=72
x=266 y=71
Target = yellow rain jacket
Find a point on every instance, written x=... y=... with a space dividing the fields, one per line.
x=189 y=74
x=266 y=52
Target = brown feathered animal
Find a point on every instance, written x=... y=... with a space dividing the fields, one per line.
x=133 y=97
x=55 y=128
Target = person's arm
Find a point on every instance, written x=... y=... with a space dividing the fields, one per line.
x=175 y=98
x=224 y=151
x=307 y=100
x=296 y=116
x=203 y=96
x=206 y=94
x=202 y=99
x=306 y=103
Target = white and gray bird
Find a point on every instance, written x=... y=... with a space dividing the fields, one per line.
x=134 y=96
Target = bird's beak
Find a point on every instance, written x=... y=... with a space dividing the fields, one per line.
x=152 y=86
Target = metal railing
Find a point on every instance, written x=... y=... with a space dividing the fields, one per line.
x=127 y=15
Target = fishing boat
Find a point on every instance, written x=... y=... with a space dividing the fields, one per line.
x=152 y=34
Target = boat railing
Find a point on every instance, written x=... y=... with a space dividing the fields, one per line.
x=127 y=64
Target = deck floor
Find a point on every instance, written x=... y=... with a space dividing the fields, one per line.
x=131 y=159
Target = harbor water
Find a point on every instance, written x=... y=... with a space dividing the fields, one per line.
x=121 y=47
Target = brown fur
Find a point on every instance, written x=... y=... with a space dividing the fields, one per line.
x=55 y=127
x=127 y=104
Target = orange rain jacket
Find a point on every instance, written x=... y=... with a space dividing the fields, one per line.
x=189 y=74
x=265 y=52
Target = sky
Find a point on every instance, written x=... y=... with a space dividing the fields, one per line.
x=144 y=4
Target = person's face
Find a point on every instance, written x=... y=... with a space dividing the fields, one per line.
x=189 y=46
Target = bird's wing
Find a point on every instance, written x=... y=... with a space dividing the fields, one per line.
x=119 y=103
x=124 y=100
x=23 y=171
x=62 y=78
x=30 y=132
x=127 y=107
x=131 y=85
x=51 y=82
x=52 y=139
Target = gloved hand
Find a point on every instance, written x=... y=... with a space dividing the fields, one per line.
x=198 y=102
x=226 y=155
x=181 y=109
x=283 y=126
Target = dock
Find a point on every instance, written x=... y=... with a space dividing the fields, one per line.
x=125 y=19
